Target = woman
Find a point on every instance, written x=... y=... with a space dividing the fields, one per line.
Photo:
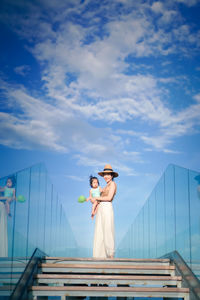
x=8 y=196
x=104 y=243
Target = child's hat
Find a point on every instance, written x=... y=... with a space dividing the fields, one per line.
x=108 y=169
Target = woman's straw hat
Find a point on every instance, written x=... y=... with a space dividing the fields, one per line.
x=108 y=169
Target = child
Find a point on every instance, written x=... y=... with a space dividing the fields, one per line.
x=8 y=194
x=95 y=191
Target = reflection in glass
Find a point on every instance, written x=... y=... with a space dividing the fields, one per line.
x=32 y=219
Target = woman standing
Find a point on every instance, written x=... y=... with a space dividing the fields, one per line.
x=104 y=240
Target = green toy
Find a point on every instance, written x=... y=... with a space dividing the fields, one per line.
x=81 y=199
x=21 y=198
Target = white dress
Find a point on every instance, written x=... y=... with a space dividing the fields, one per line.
x=104 y=235
x=3 y=231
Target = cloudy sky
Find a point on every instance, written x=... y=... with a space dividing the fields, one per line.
x=85 y=83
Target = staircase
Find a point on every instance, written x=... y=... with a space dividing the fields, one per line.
x=76 y=277
x=10 y=272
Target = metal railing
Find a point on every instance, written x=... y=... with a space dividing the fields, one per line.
x=21 y=289
x=189 y=278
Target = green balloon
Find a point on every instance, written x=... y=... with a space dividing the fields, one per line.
x=21 y=198
x=81 y=199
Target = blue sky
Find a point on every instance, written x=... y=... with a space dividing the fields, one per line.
x=85 y=83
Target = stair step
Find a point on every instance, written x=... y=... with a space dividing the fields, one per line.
x=102 y=291
x=107 y=268
x=105 y=261
x=9 y=276
x=108 y=279
x=9 y=280
x=6 y=290
x=12 y=268
x=88 y=277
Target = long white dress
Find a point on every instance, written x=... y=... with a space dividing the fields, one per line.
x=3 y=231
x=104 y=234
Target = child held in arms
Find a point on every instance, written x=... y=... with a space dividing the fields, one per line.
x=95 y=191
x=8 y=194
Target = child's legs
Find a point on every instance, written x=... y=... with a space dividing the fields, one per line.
x=7 y=204
x=94 y=208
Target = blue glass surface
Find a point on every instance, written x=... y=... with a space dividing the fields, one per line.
x=182 y=213
x=170 y=209
x=36 y=208
x=152 y=225
x=169 y=220
x=194 y=198
x=160 y=217
x=146 y=230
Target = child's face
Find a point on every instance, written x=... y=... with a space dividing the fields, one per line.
x=94 y=183
x=9 y=183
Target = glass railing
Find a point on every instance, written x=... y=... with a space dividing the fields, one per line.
x=31 y=216
x=168 y=221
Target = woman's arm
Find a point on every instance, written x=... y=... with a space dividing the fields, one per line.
x=110 y=195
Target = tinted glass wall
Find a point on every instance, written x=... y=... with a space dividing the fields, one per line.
x=31 y=216
x=169 y=220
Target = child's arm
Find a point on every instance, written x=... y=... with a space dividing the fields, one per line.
x=90 y=196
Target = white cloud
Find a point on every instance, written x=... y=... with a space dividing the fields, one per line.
x=75 y=178
x=22 y=70
x=88 y=82
x=188 y=2
x=157 y=7
x=127 y=132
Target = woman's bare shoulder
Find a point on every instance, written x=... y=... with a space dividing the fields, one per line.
x=113 y=184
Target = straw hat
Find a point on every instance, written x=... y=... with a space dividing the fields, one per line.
x=108 y=169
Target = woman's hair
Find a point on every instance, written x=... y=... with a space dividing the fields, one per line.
x=12 y=179
x=92 y=178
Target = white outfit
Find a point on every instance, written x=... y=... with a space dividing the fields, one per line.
x=3 y=231
x=104 y=242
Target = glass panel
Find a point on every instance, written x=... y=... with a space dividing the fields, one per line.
x=48 y=217
x=136 y=231
x=54 y=207
x=182 y=213
x=170 y=219
x=21 y=213
x=141 y=234
x=194 y=195
x=152 y=225
x=160 y=217
x=170 y=209
x=37 y=209
x=146 y=230
x=7 y=212
x=41 y=206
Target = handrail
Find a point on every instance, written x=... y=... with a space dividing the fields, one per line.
x=21 y=289
x=189 y=278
